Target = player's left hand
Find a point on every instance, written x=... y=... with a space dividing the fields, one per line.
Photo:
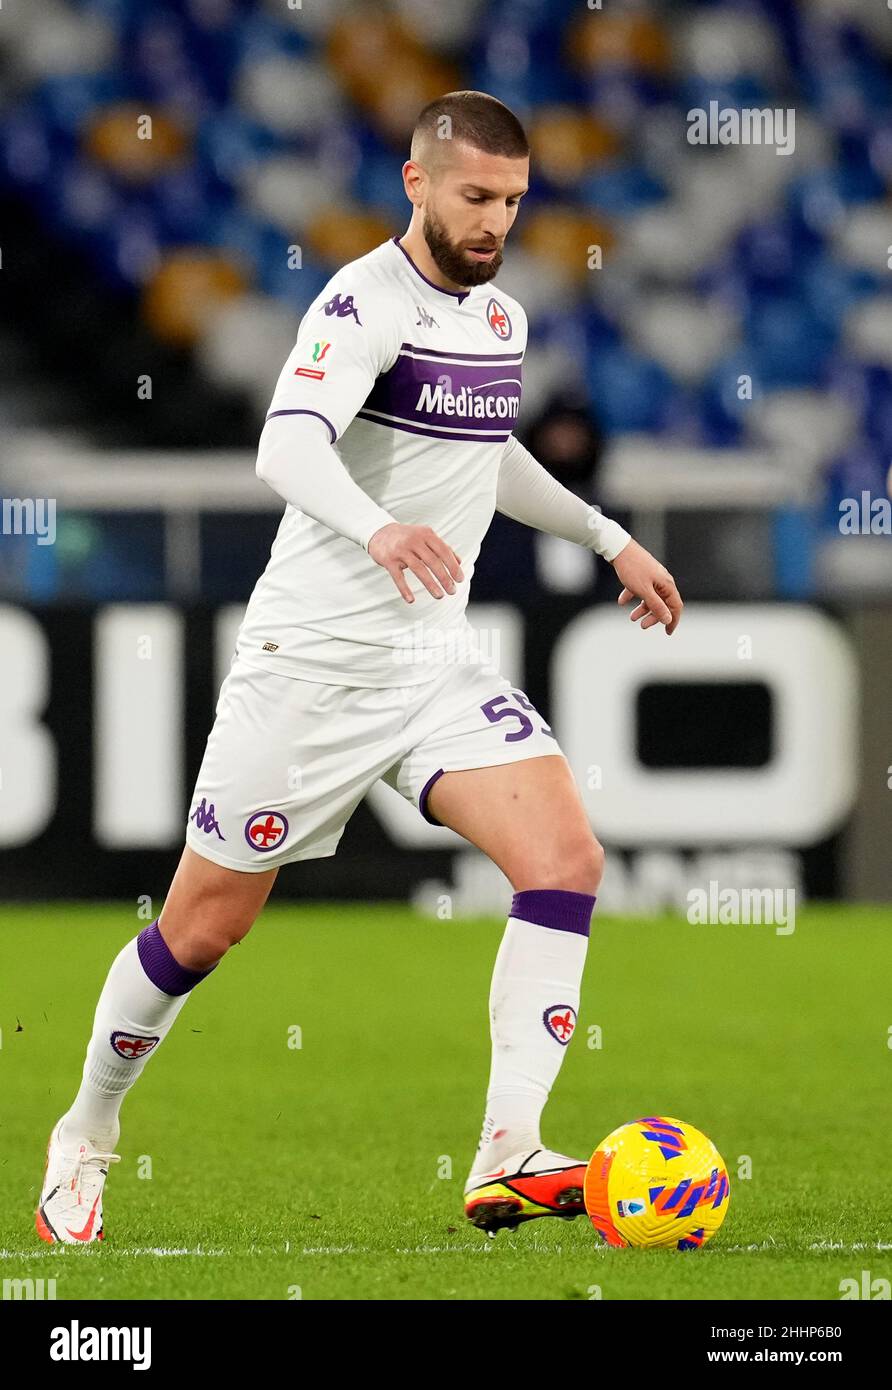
x=646 y=579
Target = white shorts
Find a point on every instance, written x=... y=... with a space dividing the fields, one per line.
x=288 y=761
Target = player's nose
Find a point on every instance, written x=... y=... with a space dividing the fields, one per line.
x=495 y=227
x=495 y=230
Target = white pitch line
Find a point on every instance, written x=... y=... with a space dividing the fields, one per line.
x=815 y=1245
x=859 y=1245
x=58 y=1254
x=98 y=1253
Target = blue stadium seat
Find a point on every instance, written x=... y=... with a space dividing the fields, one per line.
x=620 y=189
x=788 y=344
x=627 y=392
x=184 y=201
x=862 y=468
x=68 y=102
x=230 y=143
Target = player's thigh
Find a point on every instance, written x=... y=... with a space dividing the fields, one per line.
x=209 y=908
x=528 y=817
x=286 y=764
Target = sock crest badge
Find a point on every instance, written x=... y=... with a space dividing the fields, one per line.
x=132 y=1045
x=560 y=1020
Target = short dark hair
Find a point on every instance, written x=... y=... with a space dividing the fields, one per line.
x=476 y=119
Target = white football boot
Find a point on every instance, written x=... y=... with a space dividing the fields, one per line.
x=70 y=1206
x=535 y=1183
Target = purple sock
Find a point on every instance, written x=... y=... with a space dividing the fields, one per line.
x=162 y=968
x=559 y=908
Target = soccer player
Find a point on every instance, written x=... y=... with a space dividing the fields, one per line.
x=390 y=439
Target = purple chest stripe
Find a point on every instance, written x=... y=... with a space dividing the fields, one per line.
x=465 y=400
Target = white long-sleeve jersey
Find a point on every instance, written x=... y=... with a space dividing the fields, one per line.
x=397 y=403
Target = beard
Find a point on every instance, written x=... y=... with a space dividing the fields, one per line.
x=453 y=261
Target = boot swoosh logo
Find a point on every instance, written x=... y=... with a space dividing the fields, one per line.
x=88 y=1227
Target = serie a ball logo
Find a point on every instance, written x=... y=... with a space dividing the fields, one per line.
x=656 y=1183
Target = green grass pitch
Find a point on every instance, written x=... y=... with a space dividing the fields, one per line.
x=334 y=1170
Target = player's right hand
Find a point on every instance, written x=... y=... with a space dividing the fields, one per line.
x=417 y=548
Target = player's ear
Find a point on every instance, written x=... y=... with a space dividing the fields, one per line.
x=414 y=182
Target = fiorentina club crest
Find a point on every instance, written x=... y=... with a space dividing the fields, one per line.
x=498 y=320
x=265 y=830
x=131 y=1045
x=560 y=1020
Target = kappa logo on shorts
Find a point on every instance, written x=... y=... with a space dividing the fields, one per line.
x=560 y=1020
x=205 y=817
x=265 y=830
x=132 y=1045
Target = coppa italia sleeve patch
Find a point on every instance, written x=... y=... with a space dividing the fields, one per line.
x=316 y=372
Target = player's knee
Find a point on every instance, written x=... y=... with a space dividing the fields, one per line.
x=583 y=867
x=597 y=861
x=209 y=909
x=200 y=932
x=576 y=867
x=210 y=939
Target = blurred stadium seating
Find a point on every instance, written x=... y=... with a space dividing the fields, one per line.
x=277 y=136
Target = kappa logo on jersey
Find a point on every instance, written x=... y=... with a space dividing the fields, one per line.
x=205 y=817
x=498 y=320
x=265 y=830
x=342 y=307
x=316 y=373
x=132 y=1045
x=560 y=1020
x=425 y=319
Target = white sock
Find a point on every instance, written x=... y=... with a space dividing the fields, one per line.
x=145 y=990
x=533 y=1003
